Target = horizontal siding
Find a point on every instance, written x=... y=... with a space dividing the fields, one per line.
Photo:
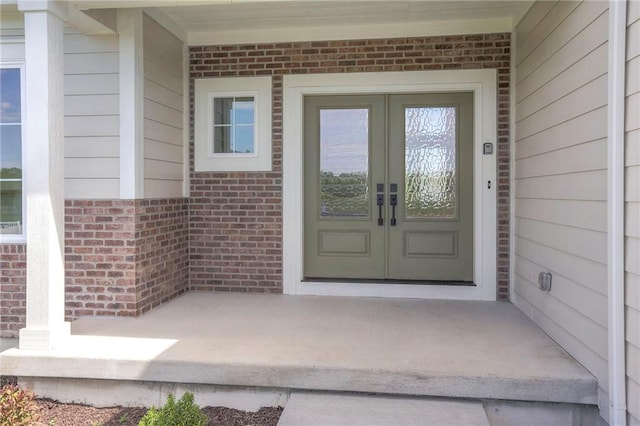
x=91 y=116
x=91 y=63
x=91 y=147
x=576 y=28
x=632 y=212
x=573 y=78
x=591 y=245
x=91 y=84
x=561 y=178
x=576 y=49
x=574 y=159
x=588 y=186
x=556 y=12
x=163 y=112
x=92 y=188
x=579 y=214
x=158 y=131
x=587 y=98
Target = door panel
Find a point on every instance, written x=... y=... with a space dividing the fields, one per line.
x=344 y=159
x=431 y=161
x=413 y=154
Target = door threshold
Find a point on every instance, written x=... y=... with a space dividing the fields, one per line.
x=389 y=281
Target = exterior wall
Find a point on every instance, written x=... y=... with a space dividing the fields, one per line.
x=561 y=176
x=13 y=287
x=236 y=218
x=91 y=108
x=632 y=225
x=124 y=257
x=163 y=112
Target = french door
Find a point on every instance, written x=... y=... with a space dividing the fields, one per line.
x=388 y=187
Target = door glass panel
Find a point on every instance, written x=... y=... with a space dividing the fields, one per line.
x=344 y=162
x=430 y=162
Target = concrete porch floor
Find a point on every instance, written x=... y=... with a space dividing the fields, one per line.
x=486 y=350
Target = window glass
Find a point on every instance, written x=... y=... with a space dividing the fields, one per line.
x=344 y=162
x=10 y=153
x=233 y=125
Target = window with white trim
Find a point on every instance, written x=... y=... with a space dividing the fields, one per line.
x=11 y=164
x=233 y=124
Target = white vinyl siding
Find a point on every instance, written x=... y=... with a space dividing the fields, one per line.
x=632 y=212
x=163 y=112
x=91 y=108
x=560 y=176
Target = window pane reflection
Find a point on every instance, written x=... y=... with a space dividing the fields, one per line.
x=344 y=162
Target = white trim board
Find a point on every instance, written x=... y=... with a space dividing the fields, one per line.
x=483 y=84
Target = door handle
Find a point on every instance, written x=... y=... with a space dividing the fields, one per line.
x=393 y=201
x=380 y=201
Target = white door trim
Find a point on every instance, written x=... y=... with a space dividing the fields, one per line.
x=483 y=84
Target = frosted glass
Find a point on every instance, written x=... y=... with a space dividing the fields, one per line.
x=344 y=162
x=430 y=162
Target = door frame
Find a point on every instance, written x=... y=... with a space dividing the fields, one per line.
x=483 y=85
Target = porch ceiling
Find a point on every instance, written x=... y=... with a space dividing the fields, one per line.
x=195 y=17
x=278 y=14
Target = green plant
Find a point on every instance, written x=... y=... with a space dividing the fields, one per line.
x=123 y=418
x=17 y=407
x=182 y=413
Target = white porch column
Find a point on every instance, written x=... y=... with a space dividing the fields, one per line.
x=44 y=182
x=130 y=22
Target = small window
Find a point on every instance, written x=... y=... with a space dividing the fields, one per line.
x=233 y=124
x=11 y=166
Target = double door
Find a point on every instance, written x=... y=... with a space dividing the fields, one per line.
x=388 y=187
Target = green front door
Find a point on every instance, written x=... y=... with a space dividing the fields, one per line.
x=388 y=191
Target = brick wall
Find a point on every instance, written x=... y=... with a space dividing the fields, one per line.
x=13 y=303
x=236 y=218
x=124 y=257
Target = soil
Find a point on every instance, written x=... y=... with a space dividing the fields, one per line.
x=53 y=413
x=59 y=414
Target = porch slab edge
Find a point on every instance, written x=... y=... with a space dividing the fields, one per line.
x=543 y=389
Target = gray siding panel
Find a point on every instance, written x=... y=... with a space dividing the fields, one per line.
x=91 y=106
x=560 y=176
x=163 y=112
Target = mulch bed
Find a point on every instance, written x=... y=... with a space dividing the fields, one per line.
x=54 y=413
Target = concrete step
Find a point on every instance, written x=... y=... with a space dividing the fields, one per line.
x=322 y=409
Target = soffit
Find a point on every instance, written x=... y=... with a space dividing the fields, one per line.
x=247 y=20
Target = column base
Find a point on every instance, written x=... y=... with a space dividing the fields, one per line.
x=35 y=339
